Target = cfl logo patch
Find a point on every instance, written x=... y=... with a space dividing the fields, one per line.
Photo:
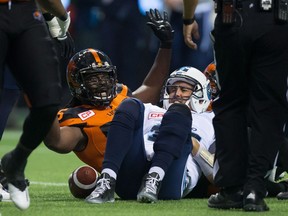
x=85 y=115
x=155 y=115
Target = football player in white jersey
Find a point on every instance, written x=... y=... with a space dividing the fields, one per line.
x=200 y=161
x=147 y=143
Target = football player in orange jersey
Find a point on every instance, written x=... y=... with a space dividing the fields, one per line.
x=82 y=127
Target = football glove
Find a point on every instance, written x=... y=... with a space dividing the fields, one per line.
x=66 y=47
x=53 y=27
x=59 y=32
x=64 y=25
x=161 y=27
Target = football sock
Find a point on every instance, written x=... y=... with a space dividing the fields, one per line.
x=121 y=134
x=110 y=172
x=37 y=125
x=158 y=170
x=21 y=153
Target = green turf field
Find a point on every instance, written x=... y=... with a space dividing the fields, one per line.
x=48 y=173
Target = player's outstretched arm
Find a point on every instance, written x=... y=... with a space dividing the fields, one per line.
x=151 y=87
x=63 y=139
x=58 y=22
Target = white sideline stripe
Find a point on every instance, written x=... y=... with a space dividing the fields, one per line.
x=49 y=183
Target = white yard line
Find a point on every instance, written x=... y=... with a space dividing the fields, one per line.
x=49 y=183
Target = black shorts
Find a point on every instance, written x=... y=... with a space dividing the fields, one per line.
x=28 y=50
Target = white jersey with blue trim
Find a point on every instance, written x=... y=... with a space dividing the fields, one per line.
x=152 y=119
x=202 y=128
x=203 y=131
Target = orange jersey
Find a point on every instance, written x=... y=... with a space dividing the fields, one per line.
x=95 y=124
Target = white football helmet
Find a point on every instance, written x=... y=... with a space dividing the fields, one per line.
x=201 y=95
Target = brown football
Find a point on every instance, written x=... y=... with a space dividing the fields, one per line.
x=82 y=181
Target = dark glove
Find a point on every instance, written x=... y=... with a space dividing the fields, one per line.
x=59 y=32
x=161 y=27
x=65 y=46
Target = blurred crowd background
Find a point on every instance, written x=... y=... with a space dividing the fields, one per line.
x=118 y=27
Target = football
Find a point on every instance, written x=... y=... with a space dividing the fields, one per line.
x=82 y=181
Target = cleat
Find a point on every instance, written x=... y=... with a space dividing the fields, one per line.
x=254 y=203
x=4 y=194
x=104 y=191
x=16 y=182
x=20 y=198
x=148 y=192
x=3 y=179
x=283 y=177
x=282 y=195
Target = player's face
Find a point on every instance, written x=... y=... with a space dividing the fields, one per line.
x=99 y=85
x=179 y=92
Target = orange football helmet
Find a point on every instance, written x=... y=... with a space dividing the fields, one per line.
x=210 y=73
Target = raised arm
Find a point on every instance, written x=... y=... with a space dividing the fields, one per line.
x=151 y=87
x=190 y=26
x=58 y=22
x=54 y=7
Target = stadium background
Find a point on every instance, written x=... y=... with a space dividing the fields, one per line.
x=118 y=27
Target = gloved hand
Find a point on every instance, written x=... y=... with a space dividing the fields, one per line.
x=64 y=25
x=59 y=32
x=66 y=46
x=161 y=27
x=53 y=25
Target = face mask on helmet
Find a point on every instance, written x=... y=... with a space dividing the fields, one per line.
x=210 y=73
x=201 y=91
x=92 y=77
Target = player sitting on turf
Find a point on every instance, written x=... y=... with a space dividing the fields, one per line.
x=148 y=147
x=92 y=78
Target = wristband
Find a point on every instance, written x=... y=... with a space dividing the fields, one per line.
x=64 y=17
x=166 y=45
x=189 y=21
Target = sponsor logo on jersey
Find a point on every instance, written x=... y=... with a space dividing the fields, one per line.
x=155 y=115
x=85 y=115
